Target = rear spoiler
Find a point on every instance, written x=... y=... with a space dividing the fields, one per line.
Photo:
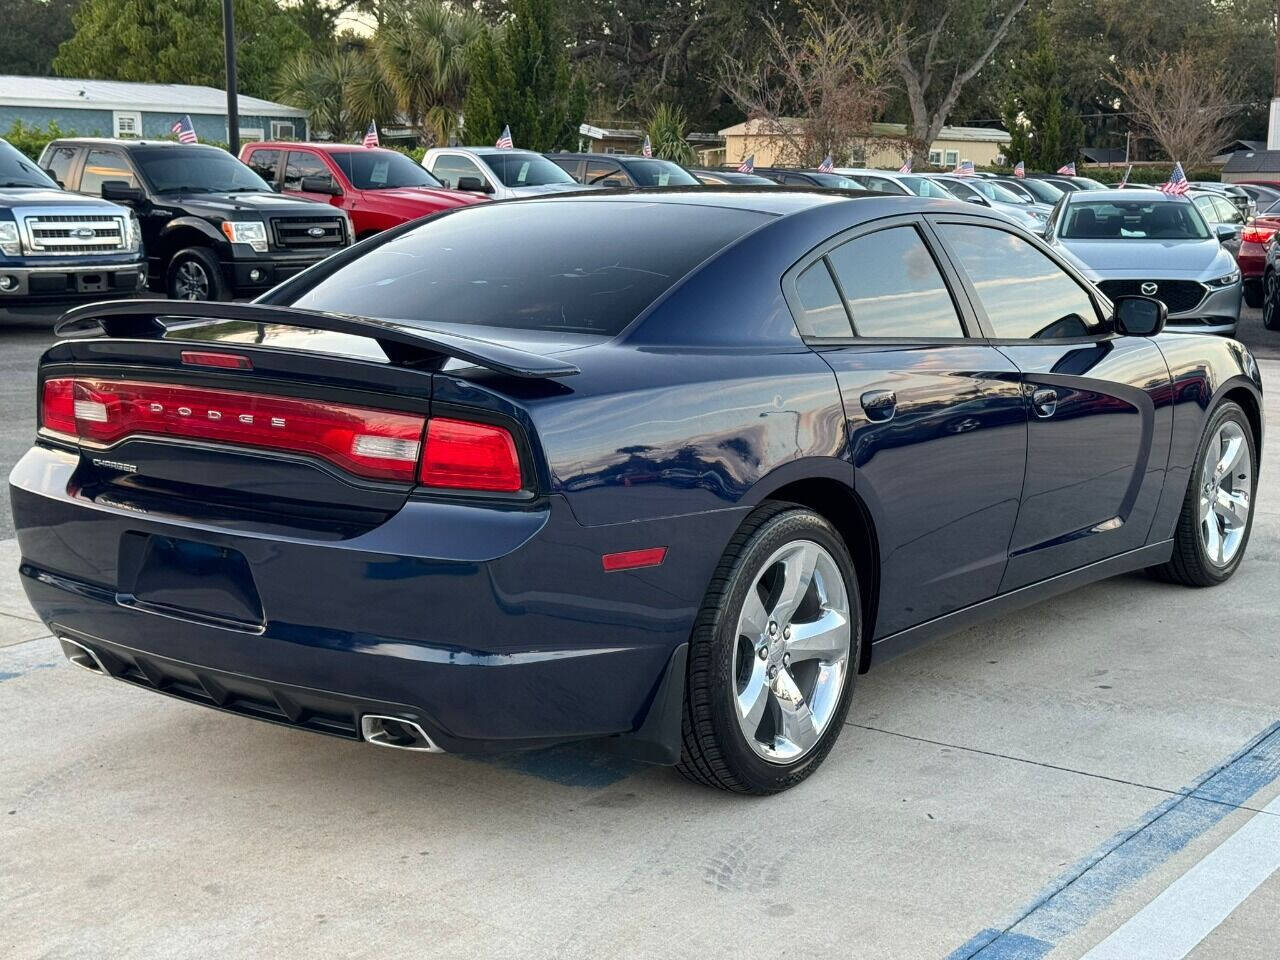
x=403 y=343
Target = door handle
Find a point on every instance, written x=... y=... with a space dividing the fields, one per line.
x=1044 y=402
x=879 y=405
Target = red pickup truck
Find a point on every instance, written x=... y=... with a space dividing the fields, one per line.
x=378 y=188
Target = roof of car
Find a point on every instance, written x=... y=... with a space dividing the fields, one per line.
x=482 y=150
x=1123 y=193
x=117 y=142
x=323 y=147
x=601 y=156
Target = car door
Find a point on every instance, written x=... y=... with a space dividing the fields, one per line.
x=1099 y=416
x=304 y=165
x=935 y=415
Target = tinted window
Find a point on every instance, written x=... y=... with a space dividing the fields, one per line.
x=926 y=188
x=195 y=169
x=302 y=165
x=1157 y=219
x=101 y=166
x=570 y=165
x=659 y=173
x=824 y=313
x=961 y=191
x=833 y=181
x=1025 y=294
x=266 y=164
x=605 y=173
x=58 y=162
x=1228 y=212
x=879 y=185
x=381 y=170
x=893 y=288
x=525 y=169
x=536 y=266
x=1044 y=191
x=450 y=169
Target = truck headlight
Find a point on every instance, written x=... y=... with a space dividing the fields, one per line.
x=1226 y=280
x=133 y=233
x=252 y=232
x=9 y=242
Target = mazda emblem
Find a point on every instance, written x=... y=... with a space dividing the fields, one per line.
x=316 y=232
x=1149 y=289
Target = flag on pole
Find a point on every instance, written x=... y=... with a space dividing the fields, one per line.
x=371 y=135
x=1069 y=169
x=964 y=168
x=647 y=149
x=1020 y=170
x=827 y=164
x=1124 y=181
x=505 y=142
x=906 y=167
x=1177 y=184
x=748 y=165
x=185 y=130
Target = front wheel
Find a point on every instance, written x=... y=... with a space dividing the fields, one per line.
x=194 y=274
x=1271 y=301
x=773 y=655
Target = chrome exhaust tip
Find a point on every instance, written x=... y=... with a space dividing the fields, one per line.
x=82 y=656
x=397 y=733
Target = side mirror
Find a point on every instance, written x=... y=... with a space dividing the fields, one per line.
x=474 y=185
x=119 y=191
x=1140 y=316
x=321 y=185
x=1227 y=232
x=980 y=201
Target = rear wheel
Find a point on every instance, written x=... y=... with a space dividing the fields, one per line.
x=194 y=274
x=1270 y=301
x=773 y=655
x=1213 y=528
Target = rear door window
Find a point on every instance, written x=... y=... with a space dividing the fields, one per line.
x=103 y=165
x=59 y=164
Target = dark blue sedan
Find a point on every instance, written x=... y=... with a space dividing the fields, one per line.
x=666 y=471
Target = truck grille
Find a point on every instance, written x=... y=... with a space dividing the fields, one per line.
x=318 y=233
x=1177 y=295
x=66 y=235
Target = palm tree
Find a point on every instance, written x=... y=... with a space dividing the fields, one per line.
x=333 y=87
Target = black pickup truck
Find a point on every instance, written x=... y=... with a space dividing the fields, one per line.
x=213 y=228
x=58 y=249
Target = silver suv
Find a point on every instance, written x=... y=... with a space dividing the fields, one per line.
x=498 y=173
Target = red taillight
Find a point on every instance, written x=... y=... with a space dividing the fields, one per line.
x=1257 y=233
x=57 y=406
x=470 y=456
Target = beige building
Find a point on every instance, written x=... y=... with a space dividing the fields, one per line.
x=886 y=147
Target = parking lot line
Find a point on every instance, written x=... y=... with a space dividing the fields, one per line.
x=1083 y=891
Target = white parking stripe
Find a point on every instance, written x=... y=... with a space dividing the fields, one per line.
x=1189 y=909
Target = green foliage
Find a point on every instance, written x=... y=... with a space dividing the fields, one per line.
x=666 y=130
x=31 y=140
x=33 y=29
x=179 y=41
x=329 y=86
x=1045 y=132
x=521 y=78
x=1158 y=173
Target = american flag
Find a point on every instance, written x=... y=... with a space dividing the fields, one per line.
x=371 y=135
x=748 y=165
x=186 y=130
x=827 y=165
x=1177 y=185
x=1124 y=181
x=647 y=149
x=505 y=142
x=906 y=167
x=964 y=168
x=1069 y=169
x=1020 y=169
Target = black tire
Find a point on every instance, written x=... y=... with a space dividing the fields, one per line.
x=1190 y=564
x=1270 y=301
x=715 y=750
x=1254 y=294
x=195 y=274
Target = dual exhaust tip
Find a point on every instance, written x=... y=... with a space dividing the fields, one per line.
x=378 y=729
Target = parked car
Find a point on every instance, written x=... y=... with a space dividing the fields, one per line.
x=212 y=228
x=1223 y=217
x=1271 y=288
x=808 y=178
x=1236 y=195
x=58 y=248
x=991 y=194
x=377 y=188
x=1252 y=254
x=1069 y=184
x=1044 y=191
x=554 y=508
x=1264 y=193
x=1146 y=242
x=732 y=178
x=497 y=173
x=622 y=170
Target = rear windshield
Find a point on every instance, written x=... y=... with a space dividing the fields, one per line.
x=525 y=169
x=660 y=173
x=1157 y=219
x=574 y=266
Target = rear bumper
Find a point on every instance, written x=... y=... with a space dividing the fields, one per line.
x=492 y=629
x=1252 y=260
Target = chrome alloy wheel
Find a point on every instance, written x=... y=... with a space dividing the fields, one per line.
x=791 y=659
x=1225 y=484
x=191 y=282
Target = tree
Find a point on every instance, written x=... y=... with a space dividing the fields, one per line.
x=1044 y=131
x=178 y=41
x=947 y=43
x=329 y=87
x=521 y=78
x=1182 y=102
x=818 y=90
x=33 y=30
x=666 y=131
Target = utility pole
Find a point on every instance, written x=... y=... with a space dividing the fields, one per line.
x=233 y=101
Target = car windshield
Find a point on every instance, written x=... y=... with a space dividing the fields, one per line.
x=1088 y=183
x=17 y=171
x=923 y=187
x=1043 y=190
x=382 y=170
x=196 y=170
x=659 y=173
x=997 y=192
x=1156 y=219
x=525 y=169
x=549 y=266
x=834 y=181
x=961 y=191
